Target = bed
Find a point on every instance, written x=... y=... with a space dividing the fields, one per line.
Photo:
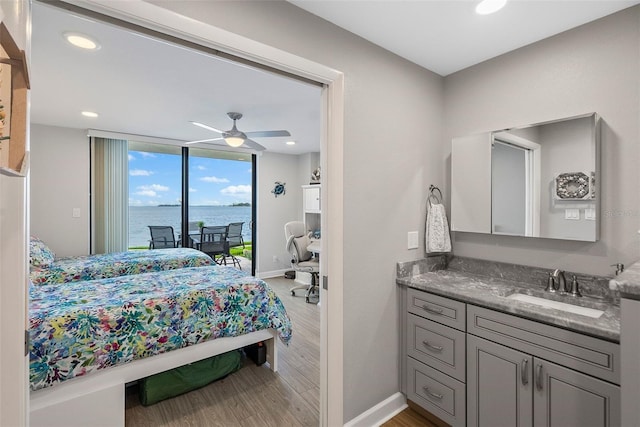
x=139 y=325
x=46 y=269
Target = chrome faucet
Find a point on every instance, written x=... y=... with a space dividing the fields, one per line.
x=559 y=281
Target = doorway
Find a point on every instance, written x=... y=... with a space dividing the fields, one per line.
x=332 y=95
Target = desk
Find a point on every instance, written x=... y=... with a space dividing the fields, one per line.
x=315 y=246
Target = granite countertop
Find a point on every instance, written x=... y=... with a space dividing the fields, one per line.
x=492 y=293
x=628 y=282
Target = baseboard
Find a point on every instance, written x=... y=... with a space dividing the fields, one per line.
x=270 y=274
x=380 y=413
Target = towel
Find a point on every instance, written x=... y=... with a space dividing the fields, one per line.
x=436 y=236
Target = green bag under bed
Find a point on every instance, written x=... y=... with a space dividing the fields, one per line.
x=180 y=380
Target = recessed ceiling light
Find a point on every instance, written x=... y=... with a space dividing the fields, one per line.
x=486 y=7
x=290 y=143
x=82 y=41
x=89 y=114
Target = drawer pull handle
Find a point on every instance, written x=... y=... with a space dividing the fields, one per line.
x=432 y=347
x=432 y=394
x=524 y=372
x=539 y=376
x=431 y=309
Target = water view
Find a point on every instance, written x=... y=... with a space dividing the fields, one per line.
x=140 y=217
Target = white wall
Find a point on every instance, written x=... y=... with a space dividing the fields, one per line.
x=60 y=183
x=388 y=169
x=595 y=67
x=275 y=212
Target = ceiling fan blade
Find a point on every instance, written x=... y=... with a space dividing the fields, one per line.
x=202 y=125
x=249 y=143
x=203 y=140
x=267 y=133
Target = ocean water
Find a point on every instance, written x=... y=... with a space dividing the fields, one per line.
x=140 y=217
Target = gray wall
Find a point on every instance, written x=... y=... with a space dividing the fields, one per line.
x=59 y=183
x=392 y=152
x=595 y=67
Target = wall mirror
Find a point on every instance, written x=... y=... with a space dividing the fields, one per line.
x=538 y=180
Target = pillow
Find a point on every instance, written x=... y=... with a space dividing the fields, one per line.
x=39 y=254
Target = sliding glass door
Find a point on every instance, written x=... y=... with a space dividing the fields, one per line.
x=171 y=185
x=220 y=193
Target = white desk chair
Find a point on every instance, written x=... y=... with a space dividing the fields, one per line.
x=301 y=259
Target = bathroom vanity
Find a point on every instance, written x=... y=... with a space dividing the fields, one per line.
x=473 y=355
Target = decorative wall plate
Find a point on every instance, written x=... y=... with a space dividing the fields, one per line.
x=574 y=186
x=278 y=189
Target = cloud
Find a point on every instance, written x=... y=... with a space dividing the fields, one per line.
x=192 y=190
x=148 y=193
x=153 y=187
x=214 y=179
x=249 y=170
x=237 y=190
x=146 y=154
x=201 y=168
x=131 y=157
x=140 y=172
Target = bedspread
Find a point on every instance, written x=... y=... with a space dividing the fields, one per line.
x=90 y=267
x=84 y=326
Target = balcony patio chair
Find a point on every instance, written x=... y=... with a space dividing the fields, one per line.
x=162 y=237
x=213 y=242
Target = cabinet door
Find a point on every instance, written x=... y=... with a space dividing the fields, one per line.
x=566 y=398
x=499 y=385
x=312 y=200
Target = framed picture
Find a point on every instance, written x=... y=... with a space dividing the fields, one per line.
x=575 y=186
x=14 y=85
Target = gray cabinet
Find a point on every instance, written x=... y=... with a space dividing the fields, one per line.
x=434 y=366
x=472 y=366
x=564 y=397
x=506 y=387
x=510 y=386
x=499 y=385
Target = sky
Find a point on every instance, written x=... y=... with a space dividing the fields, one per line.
x=155 y=178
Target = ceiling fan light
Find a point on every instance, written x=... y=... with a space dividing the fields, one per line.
x=234 y=141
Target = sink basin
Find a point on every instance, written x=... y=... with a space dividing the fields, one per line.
x=543 y=302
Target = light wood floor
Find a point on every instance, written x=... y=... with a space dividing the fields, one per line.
x=408 y=418
x=253 y=396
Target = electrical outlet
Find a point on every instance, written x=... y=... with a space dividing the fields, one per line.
x=572 y=214
x=275 y=258
x=412 y=240
x=75 y=213
x=590 y=214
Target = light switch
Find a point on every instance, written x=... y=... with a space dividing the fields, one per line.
x=412 y=240
x=75 y=212
x=572 y=214
x=590 y=214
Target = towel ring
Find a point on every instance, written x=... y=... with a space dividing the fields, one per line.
x=432 y=195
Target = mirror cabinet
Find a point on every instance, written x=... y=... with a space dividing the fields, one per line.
x=537 y=180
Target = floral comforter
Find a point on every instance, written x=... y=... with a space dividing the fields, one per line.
x=90 y=267
x=84 y=326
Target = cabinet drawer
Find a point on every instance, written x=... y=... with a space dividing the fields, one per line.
x=436 y=392
x=586 y=354
x=436 y=345
x=439 y=309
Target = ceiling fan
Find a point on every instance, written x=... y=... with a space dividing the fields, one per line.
x=236 y=138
